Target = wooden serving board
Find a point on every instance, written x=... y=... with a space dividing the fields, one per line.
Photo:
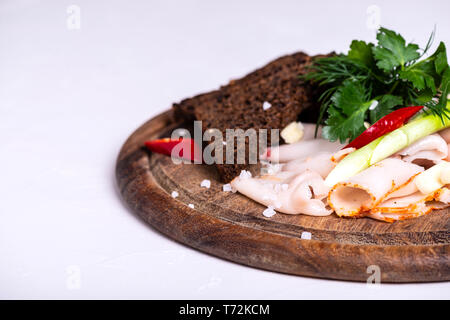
x=232 y=227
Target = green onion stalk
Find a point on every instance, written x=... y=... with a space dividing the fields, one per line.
x=386 y=146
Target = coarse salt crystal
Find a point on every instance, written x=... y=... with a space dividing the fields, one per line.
x=266 y=105
x=269 y=212
x=373 y=105
x=245 y=174
x=270 y=169
x=306 y=235
x=190 y=205
x=174 y=194
x=227 y=187
x=205 y=184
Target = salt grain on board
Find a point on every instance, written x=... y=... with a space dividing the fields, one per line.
x=190 y=205
x=174 y=194
x=306 y=235
x=266 y=105
x=269 y=212
x=205 y=184
x=227 y=187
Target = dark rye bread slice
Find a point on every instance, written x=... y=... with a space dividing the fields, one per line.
x=240 y=103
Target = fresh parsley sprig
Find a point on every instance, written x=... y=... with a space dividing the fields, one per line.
x=372 y=80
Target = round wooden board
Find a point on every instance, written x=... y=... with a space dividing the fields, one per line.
x=231 y=226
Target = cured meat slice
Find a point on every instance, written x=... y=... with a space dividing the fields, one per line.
x=365 y=190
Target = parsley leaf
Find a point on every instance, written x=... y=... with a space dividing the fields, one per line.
x=361 y=52
x=392 y=72
x=440 y=58
x=421 y=76
x=347 y=113
x=440 y=108
x=392 y=50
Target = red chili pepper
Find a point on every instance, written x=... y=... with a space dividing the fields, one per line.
x=388 y=123
x=166 y=145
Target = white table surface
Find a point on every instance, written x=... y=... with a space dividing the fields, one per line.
x=70 y=97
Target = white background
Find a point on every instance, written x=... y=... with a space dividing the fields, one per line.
x=69 y=98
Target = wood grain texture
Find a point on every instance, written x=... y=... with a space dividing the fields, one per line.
x=231 y=226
